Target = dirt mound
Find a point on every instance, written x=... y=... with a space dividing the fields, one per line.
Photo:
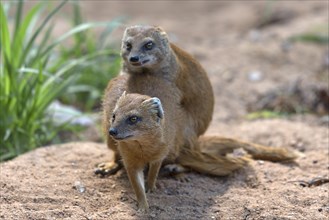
x=57 y=182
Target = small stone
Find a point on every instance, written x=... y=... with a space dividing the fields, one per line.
x=255 y=76
x=79 y=186
x=260 y=162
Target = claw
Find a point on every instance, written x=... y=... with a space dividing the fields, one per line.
x=109 y=168
x=150 y=190
x=177 y=171
x=173 y=169
x=143 y=209
x=182 y=177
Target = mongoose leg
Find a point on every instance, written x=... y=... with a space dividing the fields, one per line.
x=136 y=178
x=152 y=175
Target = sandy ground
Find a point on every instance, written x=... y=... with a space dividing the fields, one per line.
x=57 y=182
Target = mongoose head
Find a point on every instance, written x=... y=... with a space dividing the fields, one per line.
x=144 y=47
x=136 y=117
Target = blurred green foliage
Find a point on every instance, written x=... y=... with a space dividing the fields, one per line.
x=34 y=72
x=265 y=114
x=318 y=38
x=94 y=75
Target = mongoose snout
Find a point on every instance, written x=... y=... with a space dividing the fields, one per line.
x=113 y=132
x=134 y=59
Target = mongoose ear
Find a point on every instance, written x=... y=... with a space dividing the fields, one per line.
x=127 y=30
x=123 y=95
x=155 y=106
x=161 y=31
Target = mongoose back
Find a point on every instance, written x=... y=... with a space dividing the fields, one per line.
x=154 y=67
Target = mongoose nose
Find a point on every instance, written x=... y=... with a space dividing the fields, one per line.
x=113 y=131
x=134 y=59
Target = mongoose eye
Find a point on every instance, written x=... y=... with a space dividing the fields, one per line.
x=128 y=46
x=113 y=117
x=132 y=119
x=149 y=45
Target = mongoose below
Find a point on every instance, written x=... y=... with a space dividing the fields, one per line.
x=143 y=138
x=154 y=67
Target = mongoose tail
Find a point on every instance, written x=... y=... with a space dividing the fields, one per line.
x=217 y=165
x=216 y=145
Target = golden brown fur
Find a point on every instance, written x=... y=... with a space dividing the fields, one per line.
x=139 y=128
x=154 y=67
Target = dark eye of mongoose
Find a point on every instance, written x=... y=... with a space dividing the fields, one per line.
x=149 y=45
x=133 y=120
x=128 y=46
x=113 y=117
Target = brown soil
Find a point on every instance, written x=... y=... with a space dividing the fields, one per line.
x=45 y=183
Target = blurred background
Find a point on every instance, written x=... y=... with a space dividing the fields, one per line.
x=265 y=59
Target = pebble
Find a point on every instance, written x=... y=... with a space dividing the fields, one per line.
x=79 y=186
x=255 y=76
x=260 y=162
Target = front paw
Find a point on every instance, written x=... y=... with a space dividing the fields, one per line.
x=177 y=171
x=107 y=168
x=150 y=189
x=143 y=208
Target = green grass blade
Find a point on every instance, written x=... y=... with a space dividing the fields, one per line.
x=18 y=14
x=74 y=31
x=5 y=36
x=41 y=27
x=21 y=32
x=73 y=63
x=41 y=47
